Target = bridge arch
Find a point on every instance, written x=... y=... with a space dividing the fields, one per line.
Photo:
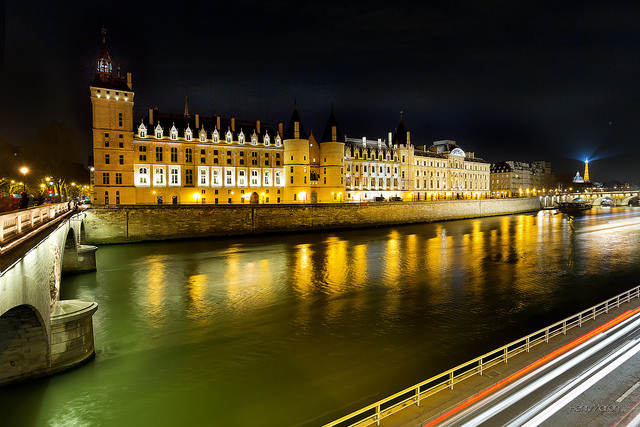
x=630 y=200
x=24 y=344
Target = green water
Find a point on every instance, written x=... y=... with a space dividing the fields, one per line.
x=301 y=329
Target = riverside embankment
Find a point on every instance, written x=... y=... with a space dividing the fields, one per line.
x=132 y=223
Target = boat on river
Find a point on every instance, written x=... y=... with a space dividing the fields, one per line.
x=574 y=207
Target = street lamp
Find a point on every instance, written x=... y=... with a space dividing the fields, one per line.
x=24 y=171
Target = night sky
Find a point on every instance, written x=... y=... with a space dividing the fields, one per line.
x=508 y=80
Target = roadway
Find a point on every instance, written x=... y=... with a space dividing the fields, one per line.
x=592 y=380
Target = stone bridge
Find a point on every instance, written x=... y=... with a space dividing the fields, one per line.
x=39 y=334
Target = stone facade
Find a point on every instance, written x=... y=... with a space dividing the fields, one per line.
x=120 y=224
x=184 y=159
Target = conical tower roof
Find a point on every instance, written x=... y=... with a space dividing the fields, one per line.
x=329 y=135
x=295 y=130
x=400 y=138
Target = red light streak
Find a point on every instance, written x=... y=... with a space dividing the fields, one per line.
x=535 y=365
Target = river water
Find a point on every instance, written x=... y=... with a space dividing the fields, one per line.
x=300 y=329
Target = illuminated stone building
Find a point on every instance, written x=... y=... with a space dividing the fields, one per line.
x=521 y=179
x=180 y=158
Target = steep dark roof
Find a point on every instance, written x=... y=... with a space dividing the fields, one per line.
x=400 y=138
x=501 y=167
x=209 y=123
x=327 y=136
x=290 y=133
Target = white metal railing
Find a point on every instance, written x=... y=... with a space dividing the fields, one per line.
x=375 y=412
x=16 y=223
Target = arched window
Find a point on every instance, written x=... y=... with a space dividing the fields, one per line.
x=174 y=132
x=241 y=137
x=203 y=135
x=188 y=134
x=278 y=141
x=142 y=131
x=266 y=139
x=229 y=137
x=254 y=139
x=216 y=136
x=159 y=131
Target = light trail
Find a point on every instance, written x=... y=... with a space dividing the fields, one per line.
x=592 y=376
x=551 y=356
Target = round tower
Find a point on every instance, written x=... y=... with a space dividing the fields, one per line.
x=296 y=162
x=331 y=185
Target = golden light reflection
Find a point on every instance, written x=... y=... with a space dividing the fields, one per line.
x=199 y=307
x=334 y=272
x=359 y=266
x=302 y=271
x=412 y=256
x=156 y=288
x=392 y=260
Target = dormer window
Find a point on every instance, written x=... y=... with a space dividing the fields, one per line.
x=278 y=141
x=188 y=134
x=174 y=132
x=229 y=137
x=158 y=131
x=203 y=135
x=254 y=139
x=241 y=137
x=216 y=136
x=266 y=139
x=142 y=131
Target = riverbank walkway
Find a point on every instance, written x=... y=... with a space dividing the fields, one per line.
x=439 y=403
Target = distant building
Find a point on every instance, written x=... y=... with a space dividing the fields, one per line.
x=521 y=179
x=180 y=158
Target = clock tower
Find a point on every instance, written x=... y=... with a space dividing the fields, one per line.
x=112 y=112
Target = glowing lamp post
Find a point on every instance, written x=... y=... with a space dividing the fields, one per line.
x=196 y=197
x=24 y=171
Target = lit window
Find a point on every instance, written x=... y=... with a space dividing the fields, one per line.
x=266 y=139
x=278 y=141
x=241 y=137
x=188 y=134
x=216 y=136
x=174 y=132
x=142 y=131
x=203 y=135
x=158 y=131
x=229 y=137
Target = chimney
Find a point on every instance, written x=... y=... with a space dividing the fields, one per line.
x=390 y=140
x=280 y=131
x=233 y=124
x=151 y=116
x=218 y=123
x=408 y=139
x=258 y=127
x=197 y=121
x=129 y=83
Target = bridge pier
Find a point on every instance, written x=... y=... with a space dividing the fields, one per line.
x=71 y=334
x=40 y=335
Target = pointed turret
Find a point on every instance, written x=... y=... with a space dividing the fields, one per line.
x=186 y=106
x=400 y=138
x=295 y=130
x=332 y=130
x=104 y=64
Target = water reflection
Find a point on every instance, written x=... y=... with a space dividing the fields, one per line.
x=330 y=321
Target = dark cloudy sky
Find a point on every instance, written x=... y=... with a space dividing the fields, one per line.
x=509 y=80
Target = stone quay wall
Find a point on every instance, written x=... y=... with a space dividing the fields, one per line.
x=134 y=223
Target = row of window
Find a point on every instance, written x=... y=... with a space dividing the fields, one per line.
x=189 y=155
x=215 y=177
x=215 y=135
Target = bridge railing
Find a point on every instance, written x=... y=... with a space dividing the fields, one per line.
x=375 y=412
x=17 y=223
